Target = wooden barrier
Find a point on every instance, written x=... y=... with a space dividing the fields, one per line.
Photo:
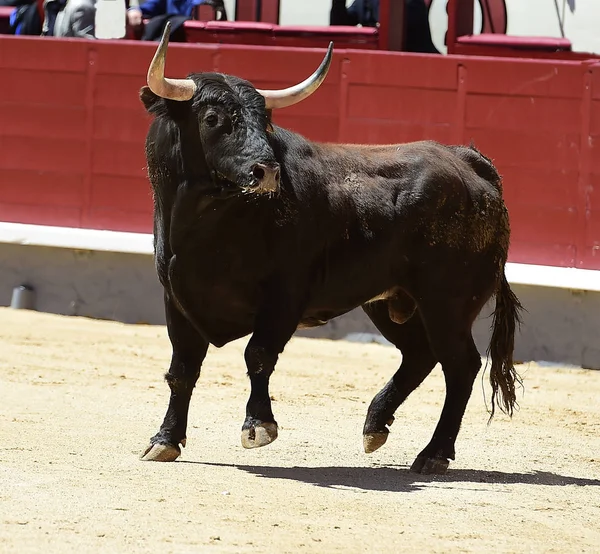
x=72 y=128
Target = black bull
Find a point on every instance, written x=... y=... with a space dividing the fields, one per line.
x=259 y=230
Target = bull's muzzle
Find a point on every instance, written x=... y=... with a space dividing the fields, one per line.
x=266 y=177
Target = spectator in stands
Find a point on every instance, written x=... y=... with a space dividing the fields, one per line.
x=25 y=20
x=158 y=12
x=366 y=13
x=76 y=19
x=61 y=18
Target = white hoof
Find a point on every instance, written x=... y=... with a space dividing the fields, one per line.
x=160 y=453
x=261 y=435
x=373 y=441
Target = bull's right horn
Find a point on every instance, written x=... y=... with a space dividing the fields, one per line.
x=292 y=95
x=171 y=89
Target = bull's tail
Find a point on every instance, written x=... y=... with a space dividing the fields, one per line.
x=503 y=375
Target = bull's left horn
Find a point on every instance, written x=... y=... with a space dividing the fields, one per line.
x=172 y=89
x=289 y=96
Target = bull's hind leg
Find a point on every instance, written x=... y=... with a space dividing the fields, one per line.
x=189 y=351
x=448 y=325
x=417 y=362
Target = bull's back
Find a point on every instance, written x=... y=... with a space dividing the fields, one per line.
x=448 y=195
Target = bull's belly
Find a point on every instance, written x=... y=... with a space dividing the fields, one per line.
x=223 y=309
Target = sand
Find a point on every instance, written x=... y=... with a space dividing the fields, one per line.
x=81 y=398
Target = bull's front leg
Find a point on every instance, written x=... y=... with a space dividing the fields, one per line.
x=275 y=324
x=189 y=351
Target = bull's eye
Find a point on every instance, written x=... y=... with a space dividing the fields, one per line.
x=211 y=119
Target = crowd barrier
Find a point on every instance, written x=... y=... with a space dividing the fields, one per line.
x=72 y=128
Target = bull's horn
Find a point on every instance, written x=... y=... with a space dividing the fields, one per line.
x=172 y=89
x=289 y=96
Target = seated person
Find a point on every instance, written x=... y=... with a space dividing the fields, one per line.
x=366 y=13
x=25 y=19
x=76 y=19
x=177 y=11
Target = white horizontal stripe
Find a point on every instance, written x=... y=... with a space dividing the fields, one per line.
x=141 y=243
x=79 y=239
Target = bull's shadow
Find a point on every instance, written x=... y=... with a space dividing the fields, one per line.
x=399 y=478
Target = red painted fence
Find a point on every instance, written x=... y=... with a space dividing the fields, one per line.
x=72 y=128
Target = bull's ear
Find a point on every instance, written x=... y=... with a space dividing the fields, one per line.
x=158 y=106
x=151 y=101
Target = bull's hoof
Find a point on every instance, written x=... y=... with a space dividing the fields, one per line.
x=259 y=435
x=373 y=441
x=430 y=466
x=161 y=453
x=374 y=437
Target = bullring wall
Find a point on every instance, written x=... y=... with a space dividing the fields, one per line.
x=72 y=128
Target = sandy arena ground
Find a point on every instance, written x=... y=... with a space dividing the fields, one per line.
x=80 y=399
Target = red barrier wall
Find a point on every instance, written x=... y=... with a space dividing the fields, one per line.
x=72 y=128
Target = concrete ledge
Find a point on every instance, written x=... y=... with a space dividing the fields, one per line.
x=111 y=275
x=142 y=243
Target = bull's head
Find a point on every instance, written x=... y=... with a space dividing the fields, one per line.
x=230 y=118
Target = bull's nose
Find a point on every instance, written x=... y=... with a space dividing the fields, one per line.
x=268 y=176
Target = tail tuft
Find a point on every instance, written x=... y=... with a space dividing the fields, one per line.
x=503 y=375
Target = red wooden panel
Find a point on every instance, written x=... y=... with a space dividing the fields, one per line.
x=239 y=32
x=522 y=112
x=119 y=91
x=43 y=87
x=527 y=148
x=322 y=103
x=120 y=220
x=56 y=122
x=205 y=13
x=503 y=41
x=550 y=79
x=589 y=258
x=27 y=187
x=323 y=129
x=40 y=154
x=544 y=225
x=61 y=216
x=270 y=11
x=359 y=41
x=245 y=10
x=127 y=159
x=542 y=187
x=405 y=70
x=593 y=233
x=595 y=69
x=592 y=220
x=560 y=255
x=401 y=104
x=593 y=143
x=595 y=118
x=33 y=54
x=133 y=58
x=123 y=193
x=594 y=191
x=525 y=115
x=365 y=131
x=287 y=67
x=121 y=125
